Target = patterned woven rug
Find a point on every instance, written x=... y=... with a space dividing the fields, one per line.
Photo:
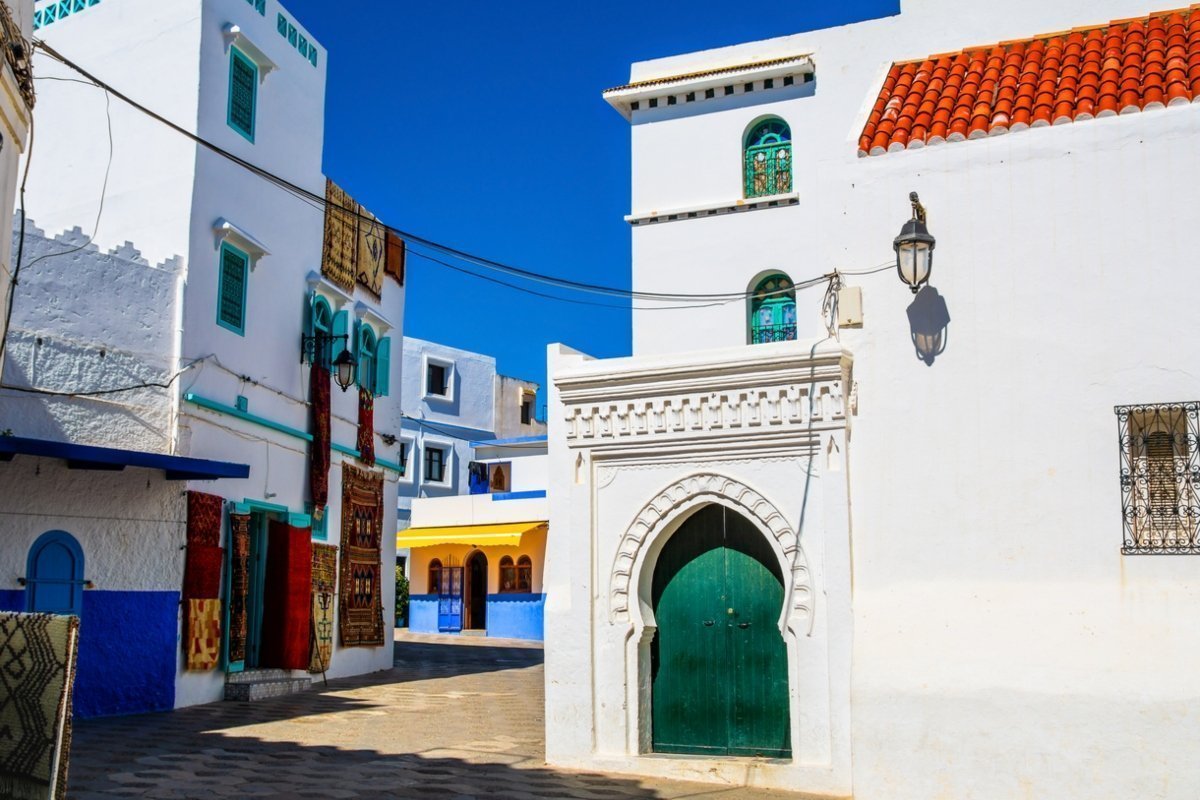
x=324 y=587
x=37 y=673
x=360 y=606
x=202 y=572
x=203 y=634
x=319 y=450
x=287 y=598
x=239 y=584
x=204 y=518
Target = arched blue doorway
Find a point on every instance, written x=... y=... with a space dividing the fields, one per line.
x=54 y=575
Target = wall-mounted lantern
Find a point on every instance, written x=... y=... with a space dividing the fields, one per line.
x=343 y=367
x=914 y=248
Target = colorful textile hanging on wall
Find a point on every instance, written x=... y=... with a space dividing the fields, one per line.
x=203 y=634
x=239 y=584
x=360 y=618
x=372 y=251
x=366 y=426
x=324 y=587
x=338 y=261
x=202 y=581
x=319 y=450
x=204 y=518
x=37 y=675
x=287 y=597
x=396 y=252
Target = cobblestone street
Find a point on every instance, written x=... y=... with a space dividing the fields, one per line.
x=458 y=720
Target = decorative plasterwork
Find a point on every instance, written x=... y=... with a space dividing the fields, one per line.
x=709 y=84
x=235 y=37
x=667 y=505
x=773 y=390
x=226 y=231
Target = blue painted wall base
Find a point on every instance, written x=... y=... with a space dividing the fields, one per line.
x=127 y=643
x=509 y=616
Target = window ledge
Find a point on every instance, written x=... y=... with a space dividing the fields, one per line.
x=711 y=209
x=333 y=291
x=362 y=311
x=226 y=231
x=234 y=37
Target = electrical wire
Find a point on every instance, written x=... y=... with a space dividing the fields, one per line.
x=102 y=392
x=320 y=202
x=16 y=270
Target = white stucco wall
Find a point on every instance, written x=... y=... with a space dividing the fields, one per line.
x=510 y=393
x=84 y=320
x=14 y=127
x=1001 y=640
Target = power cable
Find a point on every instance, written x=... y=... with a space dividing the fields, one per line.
x=102 y=392
x=320 y=202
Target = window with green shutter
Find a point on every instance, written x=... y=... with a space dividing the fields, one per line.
x=243 y=93
x=231 y=289
x=366 y=358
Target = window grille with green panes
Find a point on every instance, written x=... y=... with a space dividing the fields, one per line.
x=231 y=289
x=322 y=332
x=243 y=93
x=768 y=159
x=773 y=310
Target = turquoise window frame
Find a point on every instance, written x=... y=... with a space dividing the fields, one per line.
x=368 y=362
x=240 y=330
x=236 y=55
x=322 y=327
x=767 y=167
x=783 y=325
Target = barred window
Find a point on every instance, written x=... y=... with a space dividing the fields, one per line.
x=773 y=310
x=1160 y=478
x=435 y=577
x=243 y=93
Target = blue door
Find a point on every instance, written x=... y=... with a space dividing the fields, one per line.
x=54 y=582
x=450 y=600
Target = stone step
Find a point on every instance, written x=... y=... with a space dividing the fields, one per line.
x=263 y=689
x=472 y=632
x=256 y=675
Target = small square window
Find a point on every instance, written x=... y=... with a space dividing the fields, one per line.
x=671 y=100
x=654 y=102
x=769 y=83
x=635 y=105
x=749 y=87
x=435 y=380
x=788 y=80
x=709 y=94
x=728 y=90
x=435 y=464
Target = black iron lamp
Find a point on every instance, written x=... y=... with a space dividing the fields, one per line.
x=343 y=367
x=914 y=248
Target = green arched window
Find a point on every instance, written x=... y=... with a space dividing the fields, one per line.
x=768 y=158
x=773 y=310
x=367 y=347
x=322 y=329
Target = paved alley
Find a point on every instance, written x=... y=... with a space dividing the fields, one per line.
x=451 y=721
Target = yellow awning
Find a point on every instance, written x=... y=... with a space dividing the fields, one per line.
x=508 y=533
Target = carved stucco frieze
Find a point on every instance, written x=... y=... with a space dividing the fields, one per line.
x=664 y=506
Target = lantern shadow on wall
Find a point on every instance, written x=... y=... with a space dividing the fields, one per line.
x=929 y=324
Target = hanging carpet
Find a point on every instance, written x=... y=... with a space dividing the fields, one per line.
x=396 y=251
x=360 y=612
x=204 y=518
x=37 y=674
x=287 y=597
x=324 y=588
x=239 y=584
x=203 y=634
x=319 y=450
x=340 y=254
x=366 y=426
x=372 y=252
x=202 y=572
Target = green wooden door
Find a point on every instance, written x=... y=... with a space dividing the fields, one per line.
x=718 y=661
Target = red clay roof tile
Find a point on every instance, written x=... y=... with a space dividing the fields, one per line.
x=1097 y=71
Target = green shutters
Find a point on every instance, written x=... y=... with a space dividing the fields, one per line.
x=243 y=93
x=719 y=662
x=366 y=357
x=320 y=325
x=773 y=310
x=383 y=367
x=234 y=270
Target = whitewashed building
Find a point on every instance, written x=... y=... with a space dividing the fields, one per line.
x=897 y=546
x=211 y=336
x=16 y=107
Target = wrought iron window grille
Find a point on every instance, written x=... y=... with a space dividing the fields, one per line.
x=772 y=333
x=1160 y=478
x=320 y=344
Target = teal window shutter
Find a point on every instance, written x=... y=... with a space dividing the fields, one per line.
x=231 y=289
x=243 y=93
x=341 y=327
x=366 y=358
x=383 y=367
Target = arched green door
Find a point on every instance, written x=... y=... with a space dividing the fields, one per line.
x=718 y=661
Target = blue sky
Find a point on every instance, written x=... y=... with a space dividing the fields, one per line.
x=481 y=125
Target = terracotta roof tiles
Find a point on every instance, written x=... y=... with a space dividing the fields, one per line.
x=1123 y=67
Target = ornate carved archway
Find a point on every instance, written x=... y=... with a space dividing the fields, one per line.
x=687 y=493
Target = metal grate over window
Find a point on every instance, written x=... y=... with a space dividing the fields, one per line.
x=231 y=300
x=768 y=159
x=1160 y=478
x=243 y=83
